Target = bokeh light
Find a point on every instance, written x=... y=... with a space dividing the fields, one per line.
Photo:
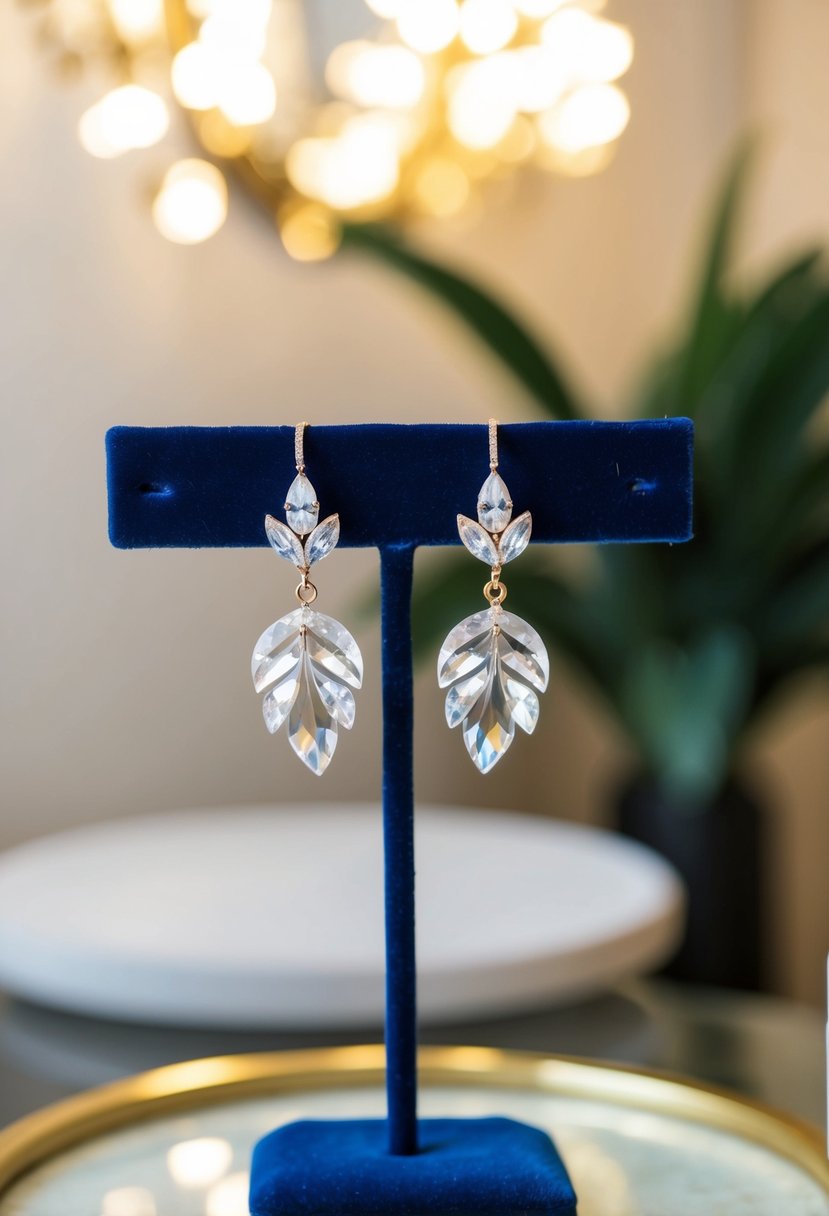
x=587 y=118
x=137 y=21
x=482 y=101
x=355 y=168
x=487 y=25
x=247 y=95
x=308 y=232
x=192 y=202
x=125 y=118
x=428 y=25
x=587 y=49
x=441 y=187
x=411 y=117
x=376 y=75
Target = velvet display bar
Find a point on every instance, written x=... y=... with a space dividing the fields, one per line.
x=397 y=488
x=196 y=487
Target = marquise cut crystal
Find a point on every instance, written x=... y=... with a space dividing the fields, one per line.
x=494 y=504
x=477 y=540
x=322 y=540
x=301 y=507
x=283 y=541
x=494 y=665
x=515 y=538
x=307 y=663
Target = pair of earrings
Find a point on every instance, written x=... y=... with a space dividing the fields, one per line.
x=493 y=664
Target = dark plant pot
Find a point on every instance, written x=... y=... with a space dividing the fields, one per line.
x=718 y=848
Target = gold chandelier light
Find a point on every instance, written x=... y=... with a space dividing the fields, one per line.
x=350 y=111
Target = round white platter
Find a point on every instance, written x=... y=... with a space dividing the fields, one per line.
x=272 y=917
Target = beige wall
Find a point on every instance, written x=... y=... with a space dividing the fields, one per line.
x=125 y=676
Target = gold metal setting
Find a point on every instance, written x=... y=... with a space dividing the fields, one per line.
x=299 y=447
x=305 y=591
x=40 y=1137
x=495 y=592
x=493 y=444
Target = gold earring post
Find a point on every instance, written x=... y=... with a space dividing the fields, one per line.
x=299 y=446
x=493 y=444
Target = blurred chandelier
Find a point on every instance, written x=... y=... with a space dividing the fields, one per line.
x=349 y=111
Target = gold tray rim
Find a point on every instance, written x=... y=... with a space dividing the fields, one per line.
x=43 y=1135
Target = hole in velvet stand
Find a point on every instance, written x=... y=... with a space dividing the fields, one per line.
x=641 y=485
x=154 y=489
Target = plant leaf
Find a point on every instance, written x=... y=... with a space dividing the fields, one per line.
x=685 y=706
x=713 y=318
x=507 y=339
x=795 y=384
x=802 y=512
x=796 y=611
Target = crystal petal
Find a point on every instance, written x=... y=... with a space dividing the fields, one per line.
x=301 y=507
x=312 y=730
x=338 y=698
x=489 y=729
x=463 y=695
x=515 y=538
x=494 y=504
x=332 y=648
x=522 y=650
x=479 y=543
x=275 y=650
x=283 y=541
x=278 y=701
x=322 y=540
x=466 y=647
x=523 y=704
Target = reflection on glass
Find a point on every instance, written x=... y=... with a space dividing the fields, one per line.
x=200 y=1162
x=601 y=1182
x=128 y=1201
x=230 y=1196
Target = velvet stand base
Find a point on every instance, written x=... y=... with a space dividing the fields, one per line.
x=465 y=1167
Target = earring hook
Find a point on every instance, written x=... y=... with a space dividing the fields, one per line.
x=299 y=446
x=493 y=444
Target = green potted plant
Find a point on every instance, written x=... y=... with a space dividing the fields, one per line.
x=688 y=647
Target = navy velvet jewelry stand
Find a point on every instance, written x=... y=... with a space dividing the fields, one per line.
x=396 y=488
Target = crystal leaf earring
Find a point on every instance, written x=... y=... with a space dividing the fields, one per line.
x=493 y=663
x=306 y=663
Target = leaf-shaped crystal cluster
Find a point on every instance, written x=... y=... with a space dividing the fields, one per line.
x=496 y=550
x=302 y=541
x=494 y=665
x=492 y=538
x=307 y=663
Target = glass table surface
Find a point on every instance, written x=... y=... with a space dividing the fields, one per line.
x=624 y=1163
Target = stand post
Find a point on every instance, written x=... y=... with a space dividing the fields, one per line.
x=398 y=836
